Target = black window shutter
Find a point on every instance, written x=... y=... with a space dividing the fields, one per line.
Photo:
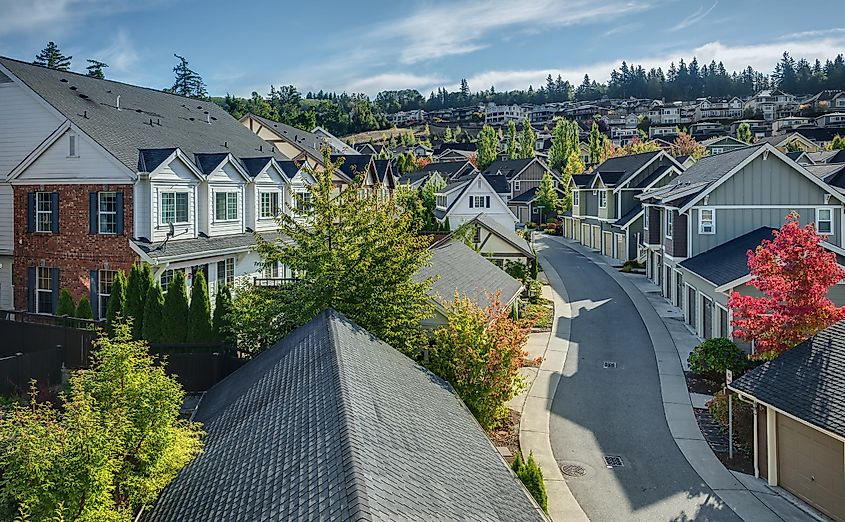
x=94 y=295
x=54 y=276
x=30 y=212
x=30 y=289
x=471 y=198
x=119 y=207
x=487 y=202
x=54 y=204
x=93 y=226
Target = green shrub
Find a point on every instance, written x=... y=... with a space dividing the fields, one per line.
x=116 y=308
x=66 y=305
x=535 y=291
x=516 y=270
x=535 y=266
x=712 y=357
x=153 y=310
x=221 y=322
x=531 y=224
x=199 y=314
x=83 y=309
x=137 y=286
x=174 y=328
x=743 y=414
x=531 y=475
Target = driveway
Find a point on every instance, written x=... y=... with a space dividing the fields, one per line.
x=617 y=410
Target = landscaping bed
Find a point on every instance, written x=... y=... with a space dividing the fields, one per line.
x=506 y=434
x=703 y=385
x=540 y=313
x=716 y=436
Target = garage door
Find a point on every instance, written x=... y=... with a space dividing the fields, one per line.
x=585 y=234
x=596 y=244
x=810 y=465
x=607 y=244
x=621 y=251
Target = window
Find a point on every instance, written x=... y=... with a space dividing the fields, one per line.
x=669 y=218
x=477 y=235
x=174 y=207
x=104 y=283
x=576 y=198
x=707 y=221
x=107 y=212
x=441 y=201
x=479 y=202
x=225 y=206
x=824 y=221
x=645 y=217
x=602 y=199
x=271 y=270
x=716 y=150
x=226 y=272
x=43 y=291
x=269 y=204
x=516 y=186
x=71 y=146
x=303 y=202
x=166 y=278
x=43 y=212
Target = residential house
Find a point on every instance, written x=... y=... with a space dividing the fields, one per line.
x=407 y=118
x=606 y=215
x=720 y=144
x=790 y=142
x=293 y=143
x=105 y=174
x=702 y=223
x=790 y=123
x=667 y=132
x=718 y=109
x=319 y=427
x=825 y=101
x=759 y=128
x=799 y=420
x=820 y=136
x=449 y=170
x=685 y=161
x=337 y=145
x=831 y=119
x=706 y=129
x=461 y=200
x=523 y=176
x=772 y=104
x=456 y=269
x=501 y=114
x=499 y=244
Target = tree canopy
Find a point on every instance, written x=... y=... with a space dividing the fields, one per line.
x=53 y=58
x=187 y=82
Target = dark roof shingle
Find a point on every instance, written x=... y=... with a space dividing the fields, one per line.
x=729 y=261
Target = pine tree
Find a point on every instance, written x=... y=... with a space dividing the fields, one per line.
x=199 y=314
x=153 y=310
x=743 y=132
x=175 y=313
x=596 y=139
x=221 y=321
x=513 y=146
x=488 y=146
x=188 y=82
x=66 y=305
x=53 y=58
x=83 y=309
x=116 y=308
x=528 y=143
x=447 y=135
x=95 y=70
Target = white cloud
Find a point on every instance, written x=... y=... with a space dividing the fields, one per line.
x=58 y=16
x=694 y=18
x=120 y=54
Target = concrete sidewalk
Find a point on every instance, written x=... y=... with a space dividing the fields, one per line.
x=750 y=498
x=536 y=401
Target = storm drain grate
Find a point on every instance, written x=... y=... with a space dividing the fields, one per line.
x=609 y=364
x=573 y=470
x=613 y=461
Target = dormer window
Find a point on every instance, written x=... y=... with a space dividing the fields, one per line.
x=226 y=206
x=602 y=199
x=71 y=148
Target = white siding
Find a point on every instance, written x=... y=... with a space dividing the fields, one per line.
x=461 y=211
x=24 y=123
x=175 y=177
x=268 y=181
x=7 y=221
x=141 y=211
x=91 y=164
x=224 y=179
x=6 y=294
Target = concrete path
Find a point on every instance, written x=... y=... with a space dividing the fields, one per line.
x=621 y=410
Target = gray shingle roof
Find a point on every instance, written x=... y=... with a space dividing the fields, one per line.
x=310 y=143
x=456 y=267
x=498 y=182
x=203 y=245
x=177 y=121
x=504 y=233
x=525 y=197
x=629 y=216
x=509 y=168
x=654 y=176
x=728 y=261
x=254 y=166
x=209 y=162
x=807 y=382
x=583 y=180
x=623 y=167
x=333 y=424
x=448 y=169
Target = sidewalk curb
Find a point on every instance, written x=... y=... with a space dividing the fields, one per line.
x=536 y=412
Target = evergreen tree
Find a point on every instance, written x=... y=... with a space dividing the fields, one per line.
x=175 y=314
x=116 y=308
x=513 y=146
x=95 y=70
x=199 y=314
x=488 y=146
x=53 y=58
x=743 y=132
x=153 y=310
x=137 y=285
x=596 y=139
x=83 y=309
x=188 y=82
x=447 y=135
x=66 y=305
x=221 y=321
x=528 y=143
x=547 y=196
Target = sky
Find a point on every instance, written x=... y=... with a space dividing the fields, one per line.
x=369 y=46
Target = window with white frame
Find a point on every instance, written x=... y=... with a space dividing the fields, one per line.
x=43 y=212
x=107 y=212
x=479 y=201
x=707 y=221
x=174 y=207
x=824 y=221
x=105 y=279
x=576 y=198
x=225 y=206
x=602 y=199
x=71 y=146
x=226 y=272
x=166 y=278
x=516 y=186
x=269 y=204
x=303 y=202
x=441 y=201
x=43 y=290
x=645 y=217
x=271 y=270
x=669 y=219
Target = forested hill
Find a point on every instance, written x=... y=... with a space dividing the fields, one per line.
x=349 y=113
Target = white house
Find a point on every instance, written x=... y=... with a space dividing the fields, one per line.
x=461 y=201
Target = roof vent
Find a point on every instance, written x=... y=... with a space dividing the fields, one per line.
x=117 y=103
x=207 y=118
x=73 y=87
x=199 y=106
x=192 y=119
x=83 y=96
x=226 y=144
x=63 y=80
x=138 y=110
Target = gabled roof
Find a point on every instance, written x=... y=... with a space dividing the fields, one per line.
x=582 y=180
x=254 y=166
x=807 y=382
x=729 y=261
x=456 y=267
x=384 y=172
x=658 y=173
x=499 y=183
x=338 y=145
x=820 y=134
x=622 y=168
x=150 y=159
x=509 y=168
x=305 y=141
x=449 y=169
x=443 y=147
x=174 y=250
x=609 y=178
x=630 y=216
x=353 y=165
x=331 y=423
x=717 y=139
x=509 y=236
x=208 y=162
x=525 y=197
x=289 y=167
x=177 y=122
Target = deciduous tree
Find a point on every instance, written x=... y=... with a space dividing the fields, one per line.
x=513 y=145
x=547 y=196
x=743 y=132
x=595 y=141
x=794 y=272
x=488 y=146
x=528 y=143
x=686 y=145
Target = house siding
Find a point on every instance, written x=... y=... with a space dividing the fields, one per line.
x=24 y=124
x=529 y=178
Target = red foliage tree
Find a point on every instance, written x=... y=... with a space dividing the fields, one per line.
x=794 y=273
x=473 y=158
x=423 y=162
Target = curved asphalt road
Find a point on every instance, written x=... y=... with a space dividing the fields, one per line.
x=617 y=411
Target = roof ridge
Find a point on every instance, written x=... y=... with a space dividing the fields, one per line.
x=356 y=486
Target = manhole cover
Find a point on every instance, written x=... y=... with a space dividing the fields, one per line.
x=573 y=470
x=613 y=461
x=609 y=364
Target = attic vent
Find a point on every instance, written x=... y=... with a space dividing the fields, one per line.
x=138 y=110
x=213 y=118
x=199 y=106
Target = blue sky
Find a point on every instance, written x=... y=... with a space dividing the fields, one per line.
x=241 y=46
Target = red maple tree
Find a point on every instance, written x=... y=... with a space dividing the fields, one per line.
x=794 y=272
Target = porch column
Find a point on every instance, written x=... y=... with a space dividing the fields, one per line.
x=772 y=445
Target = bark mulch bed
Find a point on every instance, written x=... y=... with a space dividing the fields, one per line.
x=716 y=436
x=699 y=384
x=507 y=435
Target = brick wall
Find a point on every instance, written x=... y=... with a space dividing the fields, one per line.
x=74 y=251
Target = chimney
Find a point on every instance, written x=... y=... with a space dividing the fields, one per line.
x=118 y=102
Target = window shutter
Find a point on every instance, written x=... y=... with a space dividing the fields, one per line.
x=54 y=276
x=94 y=295
x=54 y=204
x=30 y=289
x=30 y=212
x=119 y=207
x=471 y=199
x=487 y=202
x=93 y=225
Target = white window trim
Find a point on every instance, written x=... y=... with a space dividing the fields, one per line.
x=228 y=219
x=100 y=294
x=602 y=193
x=101 y=213
x=72 y=146
x=39 y=212
x=669 y=221
x=712 y=221
x=269 y=193
x=645 y=218
x=39 y=290
x=226 y=280
x=819 y=220
x=576 y=198
x=161 y=207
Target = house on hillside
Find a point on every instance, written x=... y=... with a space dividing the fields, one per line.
x=317 y=427
x=460 y=201
x=523 y=176
x=720 y=144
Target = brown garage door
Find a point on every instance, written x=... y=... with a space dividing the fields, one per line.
x=810 y=465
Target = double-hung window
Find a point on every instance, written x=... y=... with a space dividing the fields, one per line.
x=225 y=272
x=824 y=221
x=707 y=221
x=166 y=278
x=107 y=212
x=303 y=202
x=43 y=290
x=174 y=207
x=645 y=217
x=576 y=198
x=602 y=199
x=479 y=202
x=669 y=220
x=269 y=204
x=105 y=279
x=226 y=206
x=43 y=211
x=271 y=270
